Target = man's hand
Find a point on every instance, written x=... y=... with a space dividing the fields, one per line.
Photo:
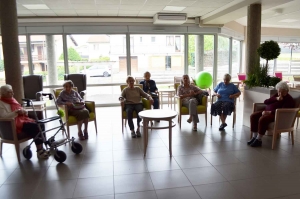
x=181 y=96
x=231 y=96
x=218 y=95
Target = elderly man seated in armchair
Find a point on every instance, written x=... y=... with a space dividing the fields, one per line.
x=260 y=120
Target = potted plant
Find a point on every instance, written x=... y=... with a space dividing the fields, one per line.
x=258 y=80
x=258 y=76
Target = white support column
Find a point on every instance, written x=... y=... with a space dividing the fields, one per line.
x=65 y=51
x=186 y=55
x=215 y=69
x=29 y=54
x=230 y=56
x=128 y=54
x=199 y=53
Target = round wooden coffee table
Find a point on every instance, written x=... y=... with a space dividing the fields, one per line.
x=157 y=114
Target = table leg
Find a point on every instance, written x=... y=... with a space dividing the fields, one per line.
x=145 y=130
x=170 y=137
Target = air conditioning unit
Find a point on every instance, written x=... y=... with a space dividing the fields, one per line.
x=170 y=18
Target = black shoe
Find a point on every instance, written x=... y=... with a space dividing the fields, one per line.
x=251 y=141
x=256 y=143
x=221 y=128
x=138 y=134
x=133 y=135
x=158 y=121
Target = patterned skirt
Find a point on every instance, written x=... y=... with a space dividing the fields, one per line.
x=219 y=107
x=80 y=114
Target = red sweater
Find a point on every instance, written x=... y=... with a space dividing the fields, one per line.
x=273 y=104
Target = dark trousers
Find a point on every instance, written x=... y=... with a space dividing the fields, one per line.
x=31 y=130
x=260 y=123
x=129 y=108
x=155 y=103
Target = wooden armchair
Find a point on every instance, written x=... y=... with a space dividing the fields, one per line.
x=71 y=120
x=9 y=135
x=146 y=104
x=284 y=121
x=201 y=109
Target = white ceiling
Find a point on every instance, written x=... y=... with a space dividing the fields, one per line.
x=210 y=11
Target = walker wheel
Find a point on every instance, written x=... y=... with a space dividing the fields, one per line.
x=27 y=153
x=76 y=147
x=60 y=156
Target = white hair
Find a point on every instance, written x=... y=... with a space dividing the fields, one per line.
x=5 y=88
x=227 y=76
x=282 y=85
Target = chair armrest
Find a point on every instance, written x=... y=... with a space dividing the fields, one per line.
x=146 y=103
x=8 y=129
x=83 y=94
x=39 y=96
x=258 y=107
x=179 y=102
x=90 y=105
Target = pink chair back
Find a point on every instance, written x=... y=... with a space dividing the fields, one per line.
x=278 y=74
x=241 y=76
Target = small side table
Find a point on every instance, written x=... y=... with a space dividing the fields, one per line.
x=157 y=114
x=39 y=106
x=170 y=94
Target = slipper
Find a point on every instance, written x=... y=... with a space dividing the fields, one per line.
x=189 y=120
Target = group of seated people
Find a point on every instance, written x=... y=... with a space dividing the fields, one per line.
x=131 y=99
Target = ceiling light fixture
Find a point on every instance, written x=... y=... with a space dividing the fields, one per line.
x=174 y=8
x=36 y=6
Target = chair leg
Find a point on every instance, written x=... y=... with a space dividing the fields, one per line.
x=95 y=122
x=68 y=131
x=122 y=125
x=179 y=121
x=1 y=144
x=205 y=119
x=233 y=120
x=210 y=119
x=125 y=122
x=17 y=146
x=292 y=133
x=274 y=139
x=297 y=122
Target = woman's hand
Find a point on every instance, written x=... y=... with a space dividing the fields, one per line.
x=192 y=93
x=151 y=101
x=266 y=113
x=231 y=96
x=69 y=103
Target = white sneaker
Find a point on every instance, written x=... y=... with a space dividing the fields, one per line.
x=42 y=154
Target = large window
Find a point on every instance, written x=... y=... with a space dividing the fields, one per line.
x=235 y=58
x=161 y=55
x=289 y=59
x=47 y=58
x=223 y=57
x=101 y=57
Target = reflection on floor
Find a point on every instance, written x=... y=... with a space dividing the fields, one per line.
x=205 y=164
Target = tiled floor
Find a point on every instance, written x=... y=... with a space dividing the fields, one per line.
x=207 y=164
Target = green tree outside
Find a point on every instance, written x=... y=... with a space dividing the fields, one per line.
x=73 y=55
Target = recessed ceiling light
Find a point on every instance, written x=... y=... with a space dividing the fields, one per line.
x=288 y=20
x=36 y=6
x=174 y=8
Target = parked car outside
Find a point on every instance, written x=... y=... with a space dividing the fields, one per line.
x=98 y=70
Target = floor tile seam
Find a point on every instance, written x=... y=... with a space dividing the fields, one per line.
x=9 y=176
x=114 y=188
x=177 y=188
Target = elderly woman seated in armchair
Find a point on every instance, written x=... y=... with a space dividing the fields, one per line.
x=260 y=120
x=187 y=92
x=225 y=92
x=25 y=126
x=131 y=100
x=76 y=107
